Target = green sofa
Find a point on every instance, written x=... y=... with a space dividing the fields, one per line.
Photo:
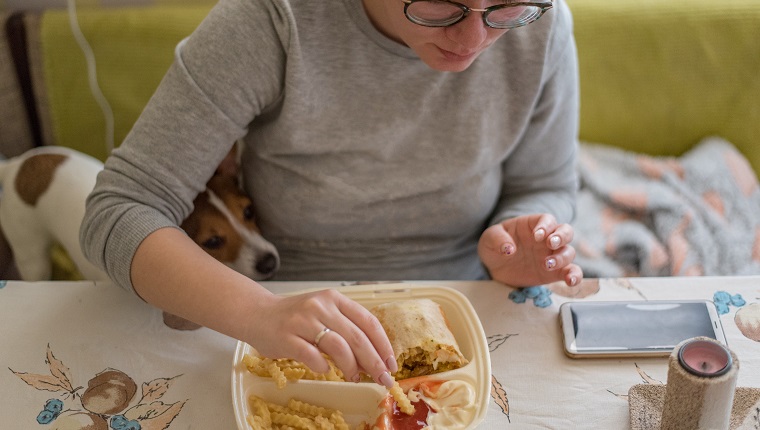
x=656 y=76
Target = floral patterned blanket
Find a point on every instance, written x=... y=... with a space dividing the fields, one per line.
x=638 y=215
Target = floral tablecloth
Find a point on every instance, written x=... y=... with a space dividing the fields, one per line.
x=80 y=353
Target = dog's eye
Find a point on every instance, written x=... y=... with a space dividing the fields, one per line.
x=214 y=242
x=248 y=212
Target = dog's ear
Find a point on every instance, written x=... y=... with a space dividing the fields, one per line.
x=230 y=165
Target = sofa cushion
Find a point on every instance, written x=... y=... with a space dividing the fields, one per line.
x=132 y=47
x=658 y=76
x=15 y=131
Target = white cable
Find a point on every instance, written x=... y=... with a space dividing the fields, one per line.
x=92 y=75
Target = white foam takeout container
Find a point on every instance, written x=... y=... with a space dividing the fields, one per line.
x=359 y=402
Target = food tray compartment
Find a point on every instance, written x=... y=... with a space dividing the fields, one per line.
x=359 y=402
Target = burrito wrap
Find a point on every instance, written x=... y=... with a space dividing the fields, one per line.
x=421 y=338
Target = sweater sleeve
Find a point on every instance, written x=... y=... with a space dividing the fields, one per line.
x=540 y=175
x=201 y=107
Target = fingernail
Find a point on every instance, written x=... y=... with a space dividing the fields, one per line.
x=355 y=378
x=386 y=379
x=554 y=242
x=507 y=249
x=573 y=281
x=390 y=362
x=539 y=234
x=551 y=263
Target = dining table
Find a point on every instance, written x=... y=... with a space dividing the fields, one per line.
x=83 y=353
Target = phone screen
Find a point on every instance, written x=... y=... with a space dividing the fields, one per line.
x=638 y=326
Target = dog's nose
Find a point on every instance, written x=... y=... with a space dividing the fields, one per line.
x=267 y=264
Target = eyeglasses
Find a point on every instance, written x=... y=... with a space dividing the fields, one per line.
x=443 y=13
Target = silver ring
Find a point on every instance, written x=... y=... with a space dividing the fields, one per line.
x=320 y=335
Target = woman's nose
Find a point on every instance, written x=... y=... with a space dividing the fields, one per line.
x=470 y=32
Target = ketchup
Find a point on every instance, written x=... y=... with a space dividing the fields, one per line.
x=418 y=421
x=394 y=419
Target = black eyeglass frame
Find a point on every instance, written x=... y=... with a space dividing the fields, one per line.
x=543 y=7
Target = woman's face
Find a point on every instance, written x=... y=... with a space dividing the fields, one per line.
x=450 y=49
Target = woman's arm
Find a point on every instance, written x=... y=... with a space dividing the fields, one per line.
x=529 y=240
x=171 y=272
x=148 y=185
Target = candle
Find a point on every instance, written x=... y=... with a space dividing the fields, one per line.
x=701 y=384
x=704 y=358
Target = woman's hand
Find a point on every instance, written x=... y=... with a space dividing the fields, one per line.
x=530 y=250
x=291 y=326
x=207 y=292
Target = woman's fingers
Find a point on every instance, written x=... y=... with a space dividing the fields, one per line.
x=572 y=274
x=328 y=322
x=557 y=239
x=560 y=258
x=308 y=354
x=368 y=342
x=334 y=345
x=561 y=236
x=562 y=261
x=544 y=226
x=497 y=240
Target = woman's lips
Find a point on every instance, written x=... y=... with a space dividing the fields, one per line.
x=457 y=57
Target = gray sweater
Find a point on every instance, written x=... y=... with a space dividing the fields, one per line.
x=362 y=162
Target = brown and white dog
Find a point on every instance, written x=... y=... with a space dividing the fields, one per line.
x=43 y=202
x=44 y=191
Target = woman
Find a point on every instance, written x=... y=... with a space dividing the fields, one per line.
x=383 y=139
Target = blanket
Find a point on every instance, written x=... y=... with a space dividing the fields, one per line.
x=638 y=215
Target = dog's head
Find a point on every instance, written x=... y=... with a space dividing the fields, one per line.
x=223 y=224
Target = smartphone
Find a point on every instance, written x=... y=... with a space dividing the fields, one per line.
x=650 y=328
